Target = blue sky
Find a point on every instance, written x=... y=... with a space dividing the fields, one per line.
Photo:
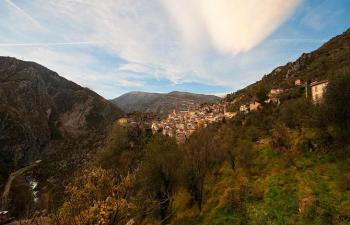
x=200 y=46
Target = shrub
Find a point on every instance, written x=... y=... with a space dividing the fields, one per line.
x=96 y=197
x=280 y=138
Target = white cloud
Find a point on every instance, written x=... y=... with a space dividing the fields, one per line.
x=232 y=25
x=177 y=40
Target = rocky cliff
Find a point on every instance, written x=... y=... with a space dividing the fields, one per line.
x=38 y=107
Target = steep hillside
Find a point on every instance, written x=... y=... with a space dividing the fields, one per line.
x=330 y=58
x=38 y=107
x=286 y=163
x=159 y=103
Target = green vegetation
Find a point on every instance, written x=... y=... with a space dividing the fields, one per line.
x=280 y=165
x=283 y=164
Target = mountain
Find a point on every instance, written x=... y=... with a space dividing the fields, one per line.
x=160 y=103
x=286 y=163
x=41 y=111
x=331 y=58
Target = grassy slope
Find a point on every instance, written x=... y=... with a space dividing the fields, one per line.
x=281 y=188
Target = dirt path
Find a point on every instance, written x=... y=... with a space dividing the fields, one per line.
x=12 y=177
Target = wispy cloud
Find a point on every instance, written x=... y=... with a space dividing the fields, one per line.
x=51 y=44
x=25 y=14
x=126 y=43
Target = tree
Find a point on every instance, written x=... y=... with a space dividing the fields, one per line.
x=123 y=150
x=297 y=113
x=280 y=137
x=261 y=93
x=96 y=197
x=117 y=143
x=21 y=198
x=336 y=107
x=159 y=174
x=243 y=153
x=228 y=138
x=202 y=155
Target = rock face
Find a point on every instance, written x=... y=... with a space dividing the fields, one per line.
x=38 y=106
x=161 y=104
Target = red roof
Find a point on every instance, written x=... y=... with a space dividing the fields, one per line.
x=318 y=82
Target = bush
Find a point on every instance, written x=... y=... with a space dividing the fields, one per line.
x=96 y=197
x=280 y=138
x=244 y=154
x=297 y=113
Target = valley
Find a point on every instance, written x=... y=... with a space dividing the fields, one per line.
x=274 y=152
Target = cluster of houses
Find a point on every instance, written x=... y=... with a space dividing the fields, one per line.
x=183 y=124
x=317 y=91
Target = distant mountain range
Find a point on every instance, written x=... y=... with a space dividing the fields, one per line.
x=160 y=103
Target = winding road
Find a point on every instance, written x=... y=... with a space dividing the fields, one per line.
x=12 y=177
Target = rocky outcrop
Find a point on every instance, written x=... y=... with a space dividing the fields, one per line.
x=38 y=106
x=298 y=65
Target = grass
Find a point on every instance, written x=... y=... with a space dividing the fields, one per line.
x=281 y=188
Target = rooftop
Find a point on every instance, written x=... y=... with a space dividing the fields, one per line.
x=318 y=82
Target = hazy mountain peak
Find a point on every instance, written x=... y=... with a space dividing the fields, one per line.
x=160 y=103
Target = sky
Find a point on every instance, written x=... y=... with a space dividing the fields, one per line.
x=200 y=46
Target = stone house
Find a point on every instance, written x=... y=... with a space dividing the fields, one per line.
x=243 y=108
x=122 y=121
x=298 y=82
x=274 y=95
x=276 y=91
x=229 y=115
x=318 y=89
x=254 y=106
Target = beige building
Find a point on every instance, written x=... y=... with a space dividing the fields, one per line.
x=298 y=82
x=318 y=89
x=229 y=115
x=276 y=91
x=254 y=106
x=122 y=121
x=243 y=108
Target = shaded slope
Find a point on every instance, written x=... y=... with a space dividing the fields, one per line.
x=38 y=106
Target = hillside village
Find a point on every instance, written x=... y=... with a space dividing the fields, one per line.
x=295 y=79
x=182 y=124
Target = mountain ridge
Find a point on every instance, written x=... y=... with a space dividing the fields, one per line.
x=39 y=107
x=318 y=64
x=160 y=103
